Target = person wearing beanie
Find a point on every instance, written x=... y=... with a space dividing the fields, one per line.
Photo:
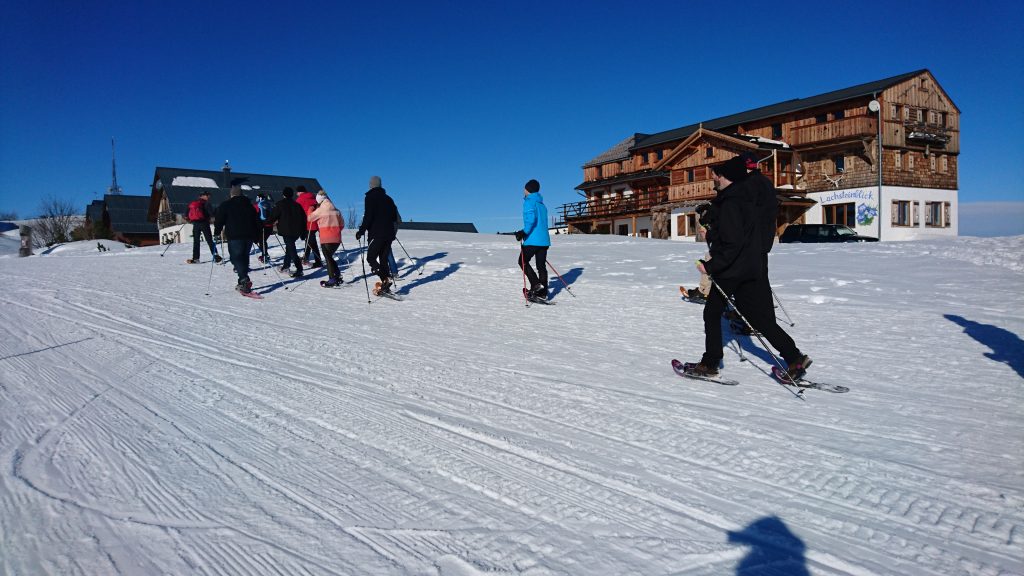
x=330 y=224
x=240 y=223
x=307 y=200
x=736 y=266
x=380 y=223
x=535 y=242
x=199 y=215
x=291 y=224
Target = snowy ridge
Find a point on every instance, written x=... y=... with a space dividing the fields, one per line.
x=151 y=429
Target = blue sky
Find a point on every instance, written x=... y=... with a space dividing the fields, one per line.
x=457 y=104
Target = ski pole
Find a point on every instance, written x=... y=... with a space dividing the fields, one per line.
x=407 y=254
x=362 y=260
x=522 y=264
x=783 y=308
x=170 y=243
x=210 y=282
x=798 y=394
x=567 y=289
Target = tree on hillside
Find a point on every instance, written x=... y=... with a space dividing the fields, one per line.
x=352 y=215
x=6 y=215
x=57 y=219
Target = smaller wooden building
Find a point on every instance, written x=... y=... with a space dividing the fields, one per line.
x=174 y=188
x=125 y=217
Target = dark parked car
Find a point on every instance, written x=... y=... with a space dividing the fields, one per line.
x=822 y=233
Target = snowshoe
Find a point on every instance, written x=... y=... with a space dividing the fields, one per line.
x=191 y=261
x=794 y=373
x=217 y=259
x=700 y=370
x=330 y=283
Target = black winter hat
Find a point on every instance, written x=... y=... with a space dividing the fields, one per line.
x=287 y=192
x=735 y=169
x=532 y=186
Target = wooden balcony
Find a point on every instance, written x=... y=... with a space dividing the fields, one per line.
x=612 y=207
x=834 y=131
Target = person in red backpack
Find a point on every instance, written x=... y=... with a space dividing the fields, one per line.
x=199 y=216
x=307 y=200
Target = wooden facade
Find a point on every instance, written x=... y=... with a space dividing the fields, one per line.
x=816 y=144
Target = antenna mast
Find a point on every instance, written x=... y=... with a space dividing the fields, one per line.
x=114 y=188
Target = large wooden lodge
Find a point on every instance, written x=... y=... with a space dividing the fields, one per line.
x=822 y=153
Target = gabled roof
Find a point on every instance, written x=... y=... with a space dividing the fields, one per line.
x=618 y=152
x=439 y=226
x=128 y=214
x=183 y=185
x=94 y=211
x=702 y=134
x=787 y=107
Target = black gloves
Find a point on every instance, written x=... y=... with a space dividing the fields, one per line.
x=703 y=214
x=359 y=235
x=520 y=235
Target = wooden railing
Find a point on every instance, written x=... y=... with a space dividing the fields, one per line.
x=842 y=129
x=601 y=208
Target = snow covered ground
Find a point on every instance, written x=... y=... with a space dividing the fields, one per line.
x=147 y=428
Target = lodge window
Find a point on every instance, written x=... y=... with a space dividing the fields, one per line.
x=936 y=214
x=661 y=154
x=943 y=119
x=689 y=174
x=910 y=161
x=894 y=111
x=931 y=162
x=709 y=152
x=623 y=229
x=898 y=156
x=906 y=113
x=920 y=114
x=844 y=214
x=643 y=159
x=904 y=213
x=840 y=162
x=839 y=114
x=686 y=225
x=945 y=164
x=777 y=131
x=821 y=118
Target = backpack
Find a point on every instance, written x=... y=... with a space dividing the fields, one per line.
x=265 y=207
x=196 y=212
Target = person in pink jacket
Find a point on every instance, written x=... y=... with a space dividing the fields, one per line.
x=330 y=223
x=307 y=200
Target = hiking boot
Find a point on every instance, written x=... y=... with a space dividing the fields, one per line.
x=217 y=259
x=795 y=371
x=192 y=261
x=261 y=260
x=284 y=269
x=331 y=282
x=700 y=369
x=296 y=274
x=244 y=286
x=315 y=265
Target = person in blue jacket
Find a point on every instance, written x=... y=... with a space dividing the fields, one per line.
x=535 y=241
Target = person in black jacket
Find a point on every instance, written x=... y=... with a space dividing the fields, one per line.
x=735 y=237
x=236 y=218
x=380 y=222
x=291 y=224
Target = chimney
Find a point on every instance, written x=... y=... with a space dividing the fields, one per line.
x=226 y=173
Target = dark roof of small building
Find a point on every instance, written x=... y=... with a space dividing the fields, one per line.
x=183 y=185
x=439 y=226
x=787 y=107
x=618 y=152
x=94 y=211
x=128 y=214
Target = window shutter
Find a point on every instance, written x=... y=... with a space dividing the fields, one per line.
x=895 y=212
x=945 y=213
x=914 y=213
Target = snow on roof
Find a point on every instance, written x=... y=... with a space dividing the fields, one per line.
x=763 y=140
x=194 y=182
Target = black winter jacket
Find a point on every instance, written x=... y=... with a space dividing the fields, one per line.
x=767 y=203
x=733 y=238
x=236 y=217
x=380 y=215
x=290 y=218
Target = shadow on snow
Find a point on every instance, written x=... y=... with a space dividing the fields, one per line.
x=774 y=549
x=569 y=278
x=1006 y=346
